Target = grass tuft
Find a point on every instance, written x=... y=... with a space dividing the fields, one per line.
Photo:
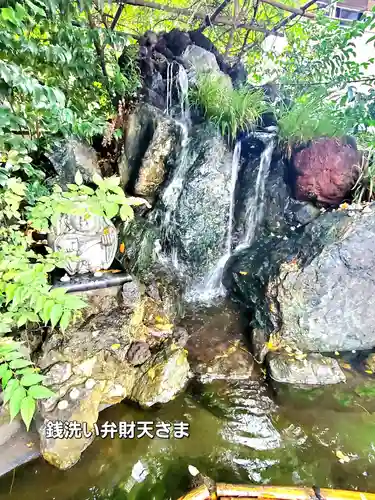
x=231 y=110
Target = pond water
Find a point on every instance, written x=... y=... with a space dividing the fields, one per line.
x=239 y=432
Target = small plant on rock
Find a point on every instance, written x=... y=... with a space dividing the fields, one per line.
x=231 y=110
x=311 y=116
x=20 y=381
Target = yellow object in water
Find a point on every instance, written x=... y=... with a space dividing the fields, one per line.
x=233 y=492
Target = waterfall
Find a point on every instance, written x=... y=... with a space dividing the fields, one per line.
x=255 y=209
x=183 y=93
x=212 y=286
x=182 y=84
x=174 y=189
x=169 y=87
x=235 y=168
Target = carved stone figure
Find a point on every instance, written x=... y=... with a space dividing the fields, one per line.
x=92 y=242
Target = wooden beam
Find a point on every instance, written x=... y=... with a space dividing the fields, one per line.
x=198 y=15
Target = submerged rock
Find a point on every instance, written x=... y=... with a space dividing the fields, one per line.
x=216 y=346
x=70 y=156
x=326 y=171
x=315 y=369
x=110 y=357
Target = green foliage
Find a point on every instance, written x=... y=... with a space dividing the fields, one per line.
x=25 y=293
x=364 y=189
x=107 y=200
x=231 y=110
x=311 y=116
x=21 y=383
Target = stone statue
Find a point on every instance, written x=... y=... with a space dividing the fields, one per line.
x=91 y=240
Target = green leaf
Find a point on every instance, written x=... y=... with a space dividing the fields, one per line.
x=126 y=212
x=8 y=14
x=28 y=408
x=15 y=402
x=3 y=369
x=47 y=310
x=32 y=379
x=6 y=377
x=20 y=363
x=111 y=210
x=40 y=392
x=65 y=320
x=56 y=313
x=78 y=179
x=97 y=179
x=12 y=385
x=13 y=355
x=26 y=371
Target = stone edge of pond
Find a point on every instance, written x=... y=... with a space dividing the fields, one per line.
x=21 y=448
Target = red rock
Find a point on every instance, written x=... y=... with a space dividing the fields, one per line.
x=326 y=171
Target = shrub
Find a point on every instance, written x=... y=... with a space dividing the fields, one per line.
x=364 y=190
x=309 y=117
x=20 y=381
x=229 y=109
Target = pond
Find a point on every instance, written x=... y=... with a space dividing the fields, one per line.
x=239 y=431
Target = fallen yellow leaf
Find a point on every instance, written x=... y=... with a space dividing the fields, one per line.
x=370 y=372
x=115 y=346
x=342 y=457
x=244 y=273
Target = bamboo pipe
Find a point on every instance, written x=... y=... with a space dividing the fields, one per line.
x=232 y=492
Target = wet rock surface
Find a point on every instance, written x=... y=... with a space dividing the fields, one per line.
x=216 y=345
x=326 y=171
x=313 y=369
x=111 y=356
x=70 y=156
x=151 y=143
x=202 y=210
x=313 y=286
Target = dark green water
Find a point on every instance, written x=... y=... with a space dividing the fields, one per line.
x=239 y=432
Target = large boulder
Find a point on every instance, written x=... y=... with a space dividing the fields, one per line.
x=315 y=286
x=202 y=212
x=326 y=170
x=127 y=352
x=151 y=142
x=328 y=305
x=69 y=156
x=199 y=60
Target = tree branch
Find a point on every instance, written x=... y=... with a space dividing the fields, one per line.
x=288 y=8
x=120 y=8
x=198 y=15
x=285 y=21
x=211 y=19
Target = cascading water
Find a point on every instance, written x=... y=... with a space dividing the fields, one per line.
x=212 y=286
x=234 y=176
x=255 y=209
x=182 y=84
x=173 y=190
